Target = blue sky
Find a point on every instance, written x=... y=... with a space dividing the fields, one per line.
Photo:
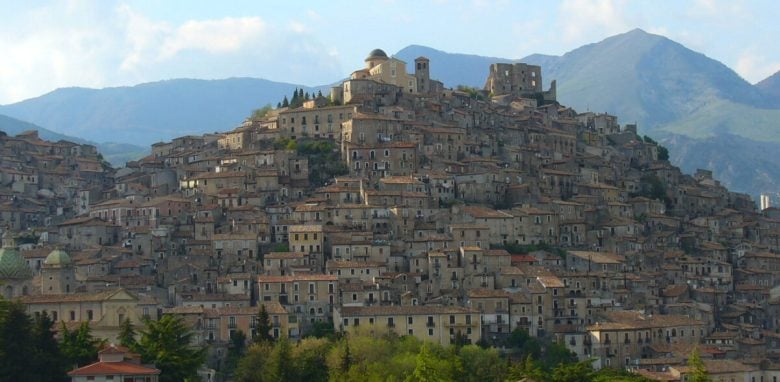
x=93 y=43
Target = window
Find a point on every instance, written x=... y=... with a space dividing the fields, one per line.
x=410 y=320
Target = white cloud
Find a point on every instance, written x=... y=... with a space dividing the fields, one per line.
x=583 y=20
x=297 y=27
x=755 y=67
x=213 y=36
x=99 y=44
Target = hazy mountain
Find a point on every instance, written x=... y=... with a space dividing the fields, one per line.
x=13 y=126
x=116 y=153
x=708 y=115
x=770 y=87
x=150 y=112
x=452 y=69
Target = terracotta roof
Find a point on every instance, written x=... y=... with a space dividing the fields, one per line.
x=113 y=368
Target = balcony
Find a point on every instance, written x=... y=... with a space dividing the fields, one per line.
x=430 y=324
x=391 y=324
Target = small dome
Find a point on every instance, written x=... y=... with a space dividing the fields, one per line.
x=12 y=264
x=376 y=53
x=57 y=258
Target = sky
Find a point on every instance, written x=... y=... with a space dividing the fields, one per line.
x=46 y=45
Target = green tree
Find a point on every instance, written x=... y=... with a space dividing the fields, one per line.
x=236 y=350
x=527 y=345
x=263 y=326
x=46 y=359
x=431 y=367
x=279 y=366
x=79 y=346
x=167 y=344
x=321 y=329
x=285 y=102
x=573 y=372
x=663 y=153
x=261 y=112
x=309 y=359
x=127 y=335
x=252 y=366
x=482 y=364
x=15 y=343
x=698 y=371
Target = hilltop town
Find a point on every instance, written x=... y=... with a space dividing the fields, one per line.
x=397 y=204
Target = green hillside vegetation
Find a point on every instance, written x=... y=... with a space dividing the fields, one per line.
x=367 y=357
x=721 y=116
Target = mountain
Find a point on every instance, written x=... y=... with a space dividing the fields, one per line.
x=452 y=69
x=150 y=112
x=13 y=126
x=770 y=87
x=693 y=103
x=116 y=153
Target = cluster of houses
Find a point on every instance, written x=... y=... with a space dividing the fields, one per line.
x=458 y=216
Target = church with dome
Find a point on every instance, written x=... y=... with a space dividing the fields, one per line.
x=15 y=275
x=386 y=76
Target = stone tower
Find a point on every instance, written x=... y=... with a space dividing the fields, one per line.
x=423 y=75
x=57 y=274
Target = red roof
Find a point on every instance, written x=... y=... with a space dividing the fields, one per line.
x=518 y=259
x=113 y=368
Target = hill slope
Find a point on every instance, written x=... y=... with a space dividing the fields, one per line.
x=150 y=112
x=695 y=104
x=116 y=153
x=770 y=87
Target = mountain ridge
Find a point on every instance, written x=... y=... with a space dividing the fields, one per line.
x=648 y=79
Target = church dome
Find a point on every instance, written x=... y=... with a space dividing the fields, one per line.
x=57 y=258
x=376 y=54
x=12 y=264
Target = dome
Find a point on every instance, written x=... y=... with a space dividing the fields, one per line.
x=12 y=264
x=57 y=258
x=376 y=53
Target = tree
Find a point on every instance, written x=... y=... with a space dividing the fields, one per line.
x=321 y=329
x=79 y=347
x=167 y=344
x=252 y=366
x=285 y=102
x=261 y=112
x=663 y=153
x=127 y=335
x=46 y=358
x=482 y=364
x=432 y=368
x=309 y=359
x=698 y=371
x=236 y=350
x=15 y=343
x=263 y=326
x=573 y=372
x=319 y=93
x=279 y=363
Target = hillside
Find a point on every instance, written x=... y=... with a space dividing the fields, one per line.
x=691 y=101
x=116 y=153
x=150 y=112
x=770 y=87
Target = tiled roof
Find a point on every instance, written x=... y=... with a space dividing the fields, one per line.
x=113 y=368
